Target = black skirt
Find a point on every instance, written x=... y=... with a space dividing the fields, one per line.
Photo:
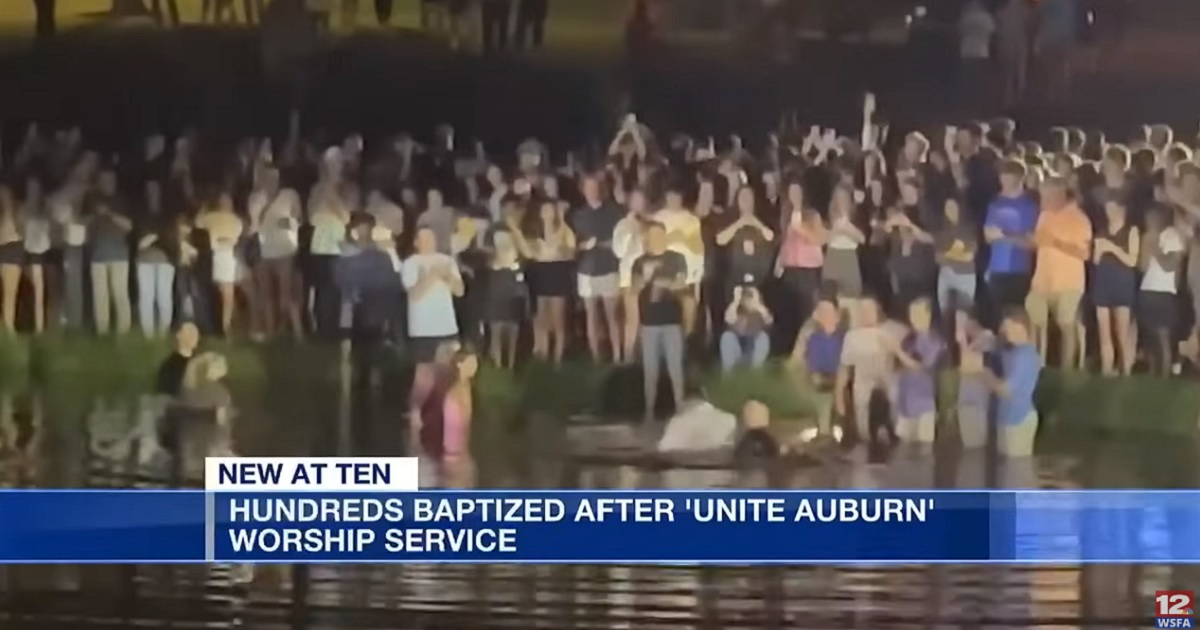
x=552 y=279
x=510 y=310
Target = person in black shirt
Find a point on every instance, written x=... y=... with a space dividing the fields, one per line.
x=169 y=379
x=598 y=282
x=506 y=303
x=169 y=383
x=750 y=253
x=659 y=276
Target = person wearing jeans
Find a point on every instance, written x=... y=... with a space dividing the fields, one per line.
x=746 y=341
x=955 y=244
x=156 y=252
x=659 y=276
x=108 y=229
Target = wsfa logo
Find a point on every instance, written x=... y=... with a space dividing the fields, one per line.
x=1173 y=609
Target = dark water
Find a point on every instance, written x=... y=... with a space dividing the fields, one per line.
x=121 y=88
x=82 y=449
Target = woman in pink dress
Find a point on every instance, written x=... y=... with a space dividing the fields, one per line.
x=446 y=417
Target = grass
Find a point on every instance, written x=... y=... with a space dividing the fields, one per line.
x=288 y=376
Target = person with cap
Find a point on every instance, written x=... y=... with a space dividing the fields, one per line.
x=367 y=282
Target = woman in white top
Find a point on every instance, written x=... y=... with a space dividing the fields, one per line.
x=276 y=213
x=330 y=205
x=627 y=245
x=12 y=257
x=37 y=228
x=1162 y=251
x=549 y=244
x=224 y=229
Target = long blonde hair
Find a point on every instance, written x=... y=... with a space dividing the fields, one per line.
x=209 y=367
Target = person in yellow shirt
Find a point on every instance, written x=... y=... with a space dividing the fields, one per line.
x=224 y=228
x=683 y=236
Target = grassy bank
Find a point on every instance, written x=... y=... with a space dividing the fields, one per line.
x=295 y=375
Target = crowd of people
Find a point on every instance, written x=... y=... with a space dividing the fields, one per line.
x=500 y=24
x=871 y=261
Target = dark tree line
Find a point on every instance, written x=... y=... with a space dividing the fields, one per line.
x=46 y=25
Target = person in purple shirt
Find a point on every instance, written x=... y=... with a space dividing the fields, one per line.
x=918 y=355
x=974 y=383
x=1011 y=219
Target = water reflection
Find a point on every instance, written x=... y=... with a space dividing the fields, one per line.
x=106 y=440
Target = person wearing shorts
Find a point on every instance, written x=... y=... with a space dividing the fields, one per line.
x=1062 y=239
x=224 y=228
x=431 y=281
x=1158 y=301
x=1011 y=218
x=598 y=282
x=659 y=277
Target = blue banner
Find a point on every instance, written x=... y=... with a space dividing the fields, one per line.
x=113 y=526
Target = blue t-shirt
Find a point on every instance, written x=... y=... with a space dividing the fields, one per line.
x=823 y=353
x=1016 y=217
x=1022 y=365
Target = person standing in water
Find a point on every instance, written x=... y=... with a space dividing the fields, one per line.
x=169 y=379
x=866 y=367
x=445 y=432
x=919 y=355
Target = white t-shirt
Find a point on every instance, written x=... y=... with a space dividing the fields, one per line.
x=839 y=240
x=627 y=245
x=329 y=232
x=433 y=314
x=1156 y=278
x=278 y=222
x=36 y=230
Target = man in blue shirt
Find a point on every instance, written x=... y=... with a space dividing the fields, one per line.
x=369 y=284
x=1008 y=228
x=1021 y=365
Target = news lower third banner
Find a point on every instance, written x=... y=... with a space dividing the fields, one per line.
x=344 y=511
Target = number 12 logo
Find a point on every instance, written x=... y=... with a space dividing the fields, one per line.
x=1173 y=603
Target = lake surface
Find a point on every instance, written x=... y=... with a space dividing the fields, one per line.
x=71 y=442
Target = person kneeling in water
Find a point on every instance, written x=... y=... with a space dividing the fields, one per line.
x=817 y=355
